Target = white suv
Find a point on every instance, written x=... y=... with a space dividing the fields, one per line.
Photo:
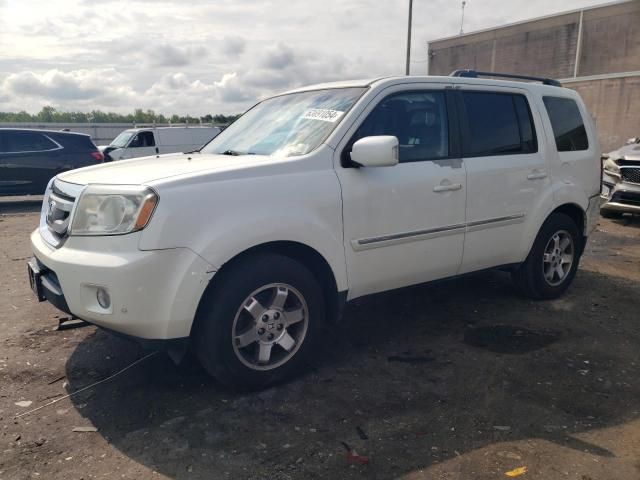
x=245 y=249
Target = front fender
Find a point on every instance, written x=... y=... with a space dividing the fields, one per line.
x=227 y=244
x=220 y=219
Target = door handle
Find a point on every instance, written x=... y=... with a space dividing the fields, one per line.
x=447 y=188
x=537 y=175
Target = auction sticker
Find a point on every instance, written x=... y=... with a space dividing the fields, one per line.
x=322 y=114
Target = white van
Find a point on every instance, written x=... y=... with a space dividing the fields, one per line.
x=142 y=142
x=247 y=250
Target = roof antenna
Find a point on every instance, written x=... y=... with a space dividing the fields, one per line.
x=462 y=19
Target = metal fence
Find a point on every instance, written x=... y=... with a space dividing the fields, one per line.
x=101 y=133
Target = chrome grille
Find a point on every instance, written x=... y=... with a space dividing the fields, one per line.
x=57 y=210
x=59 y=213
x=630 y=174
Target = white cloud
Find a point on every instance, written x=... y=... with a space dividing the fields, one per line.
x=233 y=45
x=56 y=86
x=167 y=55
x=201 y=57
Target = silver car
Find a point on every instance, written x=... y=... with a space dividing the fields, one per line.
x=621 y=180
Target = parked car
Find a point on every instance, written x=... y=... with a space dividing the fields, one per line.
x=621 y=180
x=141 y=142
x=30 y=158
x=247 y=249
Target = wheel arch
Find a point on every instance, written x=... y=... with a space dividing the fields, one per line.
x=309 y=257
x=575 y=212
x=572 y=210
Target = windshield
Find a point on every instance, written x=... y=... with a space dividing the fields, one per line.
x=122 y=139
x=288 y=125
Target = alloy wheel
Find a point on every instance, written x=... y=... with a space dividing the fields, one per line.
x=270 y=326
x=558 y=258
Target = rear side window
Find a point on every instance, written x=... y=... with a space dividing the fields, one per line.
x=16 y=142
x=498 y=124
x=567 y=124
x=74 y=143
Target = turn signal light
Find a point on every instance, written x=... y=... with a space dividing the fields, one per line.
x=145 y=211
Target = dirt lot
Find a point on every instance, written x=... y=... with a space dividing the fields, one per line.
x=459 y=380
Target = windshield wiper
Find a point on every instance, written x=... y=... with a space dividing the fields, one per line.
x=234 y=153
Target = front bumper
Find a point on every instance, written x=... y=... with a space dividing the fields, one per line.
x=620 y=196
x=154 y=294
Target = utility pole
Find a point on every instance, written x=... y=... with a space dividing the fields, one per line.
x=462 y=19
x=409 y=38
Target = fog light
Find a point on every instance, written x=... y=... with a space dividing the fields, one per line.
x=104 y=300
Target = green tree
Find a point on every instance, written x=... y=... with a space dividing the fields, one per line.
x=47 y=114
x=50 y=114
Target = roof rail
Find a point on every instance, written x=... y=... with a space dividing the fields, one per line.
x=474 y=74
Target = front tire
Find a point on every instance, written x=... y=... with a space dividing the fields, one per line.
x=260 y=323
x=553 y=260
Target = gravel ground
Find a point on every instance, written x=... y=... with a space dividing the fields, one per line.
x=463 y=379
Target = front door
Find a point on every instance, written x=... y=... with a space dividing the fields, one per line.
x=404 y=224
x=142 y=144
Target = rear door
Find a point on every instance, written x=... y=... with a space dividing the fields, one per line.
x=404 y=224
x=507 y=174
x=28 y=160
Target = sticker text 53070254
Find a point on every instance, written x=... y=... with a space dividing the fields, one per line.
x=323 y=114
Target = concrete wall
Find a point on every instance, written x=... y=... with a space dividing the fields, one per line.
x=596 y=41
x=615 y=106
x=610 y=39
x=609 y=42
x=546 y=47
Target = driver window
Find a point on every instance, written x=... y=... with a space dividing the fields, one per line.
x=417 y=119
x=143 y=139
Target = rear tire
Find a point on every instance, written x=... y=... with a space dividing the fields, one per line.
x=553 y=260
x=260 y=323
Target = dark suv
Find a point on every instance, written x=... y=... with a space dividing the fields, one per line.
x=30 y=158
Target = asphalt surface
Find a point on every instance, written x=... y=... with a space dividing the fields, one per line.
x=464 y=379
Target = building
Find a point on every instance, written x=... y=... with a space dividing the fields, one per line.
x=595 y=51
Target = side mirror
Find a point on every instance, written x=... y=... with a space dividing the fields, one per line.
x=379 y=151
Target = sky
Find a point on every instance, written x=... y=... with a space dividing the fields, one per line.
x=218 y=56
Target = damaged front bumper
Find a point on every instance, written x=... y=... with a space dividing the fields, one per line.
x=618 y=194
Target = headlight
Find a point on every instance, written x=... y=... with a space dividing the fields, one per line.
x=113 y=210
x=611 y=167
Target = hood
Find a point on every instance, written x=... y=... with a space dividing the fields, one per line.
x=628 y=152
x=148 y=169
